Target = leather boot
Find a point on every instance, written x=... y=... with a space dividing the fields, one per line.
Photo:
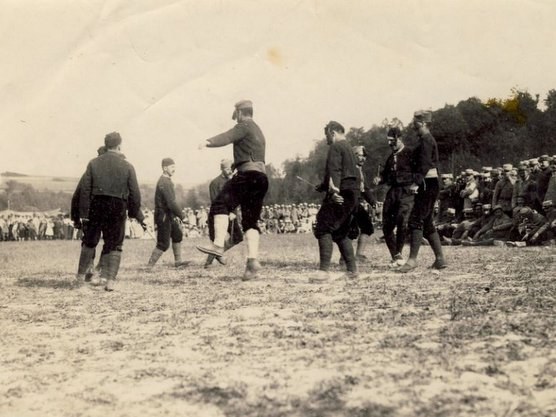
x=436 y=245
x=325 y=251
x=86 y=259
x=346 y=249
x=390 y=244
x=155 y=256
x=176 y=248
x=111 y=268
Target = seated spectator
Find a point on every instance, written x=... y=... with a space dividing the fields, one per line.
x=497 y=228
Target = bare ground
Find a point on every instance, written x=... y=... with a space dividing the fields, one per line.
x=477 y=339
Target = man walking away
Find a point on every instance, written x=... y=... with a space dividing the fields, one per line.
x=109 y=193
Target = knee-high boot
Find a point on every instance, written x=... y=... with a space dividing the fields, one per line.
x=436 y=245
x=111 y=268
x=86 y=259
x=346 y=249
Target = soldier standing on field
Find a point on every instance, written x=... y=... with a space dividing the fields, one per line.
x=167 y=216
x=426 y=183
x=246 y=189
x=342 y=197
x=109 y=192
x=399 y=174
x=234 y=229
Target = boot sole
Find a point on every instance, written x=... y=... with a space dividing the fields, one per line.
x=209 y=251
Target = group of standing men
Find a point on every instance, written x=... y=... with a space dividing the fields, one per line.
x=108 y=192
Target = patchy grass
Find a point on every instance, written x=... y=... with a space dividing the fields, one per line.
x=476 y=339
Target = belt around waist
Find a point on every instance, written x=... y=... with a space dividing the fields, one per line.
x=432 y=173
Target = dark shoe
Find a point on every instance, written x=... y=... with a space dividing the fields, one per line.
x=181 y=264
x=439 y=264
x=88 y=276
x=251 y=269
x=212 y=249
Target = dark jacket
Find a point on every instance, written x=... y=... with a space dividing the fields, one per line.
x=165 y=200
x=215 y=187
x=248 y=139
x=341 y=167
x=400 y=169
x=426 y=156
x=112 y=176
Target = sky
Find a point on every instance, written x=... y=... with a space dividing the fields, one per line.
x=166 y=73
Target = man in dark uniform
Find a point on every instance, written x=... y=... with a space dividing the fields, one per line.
x=167 y=216
x=543 y=177
x=246 y=189
x=234 y=229
x=427 y=185
x=399 y=174
x=109 y=190
x=342 y=197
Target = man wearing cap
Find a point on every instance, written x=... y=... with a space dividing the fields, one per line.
x=547 y=231
x=543 y=177
x=399 y=173
x=470 y=193
x=504 y=189
x=246 y=189
x=497 y=228
x=526 y=188
x=446 y=198
x=362 y=221
x=341 y=185
x=167 y=217
x=109 y=190
x=234 y=230
x=427 y=185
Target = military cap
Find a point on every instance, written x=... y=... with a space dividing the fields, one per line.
x=394 y=132
x=226 y=163
x=497 y=207
x=112 y=140
x=547 y=203
x=487 y=206
x=507 y=167
x=486 y=169
x=423 y=116
x=242 y=104
x=469 y=172
x=451 y=210
x=533 y=162
x=543 y=158
x=167 y=162
x=446 y=176
x=468 y=211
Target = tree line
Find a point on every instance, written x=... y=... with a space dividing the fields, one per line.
x=470 y=134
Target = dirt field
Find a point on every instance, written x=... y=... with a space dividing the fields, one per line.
x=478 y=339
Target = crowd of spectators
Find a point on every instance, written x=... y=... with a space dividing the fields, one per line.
x=513 y=206
x=507 y=205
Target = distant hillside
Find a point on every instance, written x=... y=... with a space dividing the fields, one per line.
x=12 y=174
x=56 y=184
